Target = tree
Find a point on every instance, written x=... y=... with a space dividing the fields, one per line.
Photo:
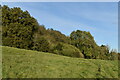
x=58 y=36
x=84 y=42
x=105 y=54
x=21 y=30
x=41 y=44
x=18 y=28
x=59 y=47
x=114 y=54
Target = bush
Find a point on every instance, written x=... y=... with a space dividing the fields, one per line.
x=41 y=44
x=67 y=50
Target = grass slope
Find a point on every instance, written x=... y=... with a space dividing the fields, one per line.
x=20 y=63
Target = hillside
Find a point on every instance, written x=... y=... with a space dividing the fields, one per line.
x=21 y=63
x=21 y=30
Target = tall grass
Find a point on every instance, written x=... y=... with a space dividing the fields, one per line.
x=20 y=63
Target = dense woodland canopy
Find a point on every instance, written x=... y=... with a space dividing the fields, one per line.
x=21 y=30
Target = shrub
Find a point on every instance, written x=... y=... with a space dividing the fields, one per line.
x=41 y=44
x=67 y=50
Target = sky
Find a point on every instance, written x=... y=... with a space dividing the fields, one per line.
x=60 y=0
x=99 y=18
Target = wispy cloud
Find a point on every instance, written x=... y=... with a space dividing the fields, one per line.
x=98 y=18
x=59 y=23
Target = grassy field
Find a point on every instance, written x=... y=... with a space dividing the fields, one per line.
x=20 y=63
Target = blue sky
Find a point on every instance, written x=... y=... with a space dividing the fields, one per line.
x=100 y=18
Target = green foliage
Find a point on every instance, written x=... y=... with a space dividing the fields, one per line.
x=19 y=29
x=104 y=52
x=41 y=44
x=67 y=50
x=58 y=36
x=85 y=42
x=114 y=55
x=59 y=47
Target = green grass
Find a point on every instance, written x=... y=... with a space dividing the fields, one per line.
x=21 y=63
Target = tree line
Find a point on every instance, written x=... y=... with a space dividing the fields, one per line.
x=21 y=30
